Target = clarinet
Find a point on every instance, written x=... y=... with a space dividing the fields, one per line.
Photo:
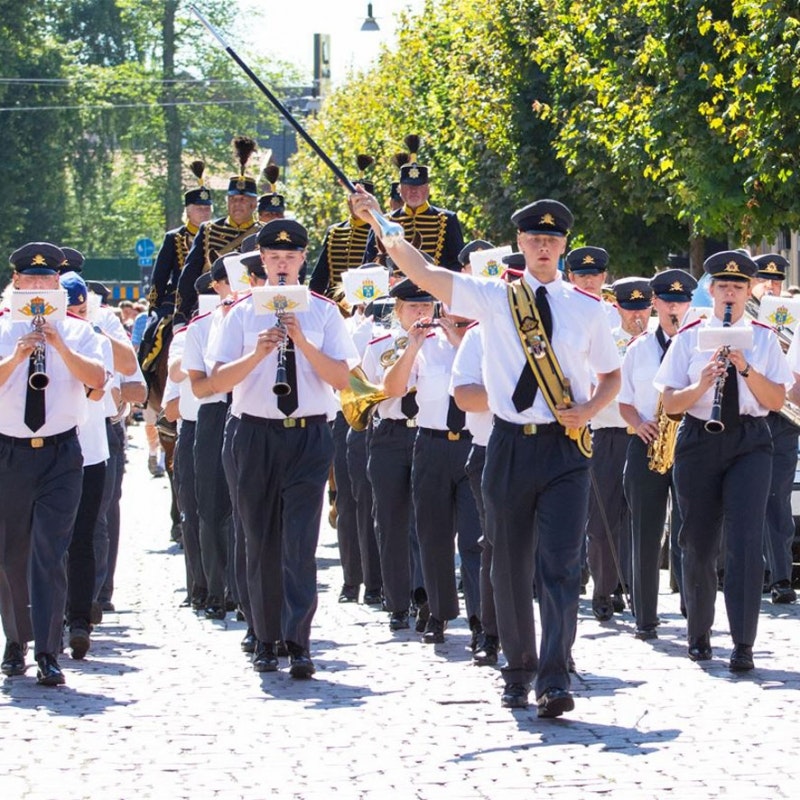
x=714 y=424
x=281 y=386
x=39 y=378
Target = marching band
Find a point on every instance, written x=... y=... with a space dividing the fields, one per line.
x=505 y=431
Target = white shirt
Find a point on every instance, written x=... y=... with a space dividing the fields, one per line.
x=92 y=432
x=609 y=416
x=373 y=369
x=65 y=395
x=322 y=325
x=682 y=365
x=195 y=357
x=188 y=403
x=582 y=340
x=642 y=360
x=467 y=371
x=431 y=375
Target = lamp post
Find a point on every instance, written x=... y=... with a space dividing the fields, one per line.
x=369 y=23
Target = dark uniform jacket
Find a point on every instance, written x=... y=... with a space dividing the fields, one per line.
x=439 y=231
x=342 y=249
x=169 y=264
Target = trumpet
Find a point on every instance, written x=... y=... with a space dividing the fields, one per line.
x=38 y=379
x=281 y=386
x=714 y=424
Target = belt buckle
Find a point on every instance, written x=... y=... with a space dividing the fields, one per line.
x=289 y=422
x=37 y=442
x=411 y=423
x=453 y=436
x=529 y=429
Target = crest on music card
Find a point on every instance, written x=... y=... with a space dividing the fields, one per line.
x=362 y=286
x=27 y=305
x=280 y=299
x=780 y=312
x=489 y=263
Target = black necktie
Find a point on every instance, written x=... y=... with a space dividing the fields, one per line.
x=729 y=412
x=34 y=403
x=455 y=417
x=287 y=403
x=663 y=341
x=525 y=391
x=408 y=405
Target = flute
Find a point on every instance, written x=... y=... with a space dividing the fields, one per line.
x=714 y=424
x=281 y=386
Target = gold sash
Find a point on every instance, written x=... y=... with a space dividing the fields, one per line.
x=542 y=359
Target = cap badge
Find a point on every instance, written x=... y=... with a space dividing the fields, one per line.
x=772 y=267
x=731 y=266
x=283 y=236
x=204 y=195
x=636 y=295
x=588 y=259
x=676 y=286
x=275 y=201
x=240 y=184
x=413 y=173
x=38 y=260
x=548 y=219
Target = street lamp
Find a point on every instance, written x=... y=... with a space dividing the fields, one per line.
x=369 y=23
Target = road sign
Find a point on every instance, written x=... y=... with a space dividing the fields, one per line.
x=145 y=248
x=145 y=261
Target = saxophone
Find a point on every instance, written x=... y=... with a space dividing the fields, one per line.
x=661 y=451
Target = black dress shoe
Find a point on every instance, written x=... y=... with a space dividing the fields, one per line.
x=199 y=597
x=602 y=608
x=700 y=648
x=349 y=594
x=515 y=695
x=571 y=668
x=617 y=601
x=96 y=613
x=79 y=639
x=476 y=633
x=14 y=659
x=264 y=658
x=248 y=644
x=741 y=658
x=300 y=663
x=434 y=631
x=398 y=621
x=782 y=592
x=215 y=612
x=373 y=597
x=280 y=649
x=553 y=703
x=645 y=634
x=486 y=653
x=49 y=673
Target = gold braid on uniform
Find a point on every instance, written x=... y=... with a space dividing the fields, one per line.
x=219 y=239
x=345 y=250
x=431 y=229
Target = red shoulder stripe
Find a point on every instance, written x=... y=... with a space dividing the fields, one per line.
x=380 y=339
x=322 y=297
x=764 y=325
x=690 y=325
x=75 y=316
x=586 y=294
x=200 y=316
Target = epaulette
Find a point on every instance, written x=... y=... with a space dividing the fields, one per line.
x=199 y=316
x=764 y=325
x=585 y=293
x=473 y=324
x=380 y=339
x=182 y=329
x=690 y=325
x=322 y=297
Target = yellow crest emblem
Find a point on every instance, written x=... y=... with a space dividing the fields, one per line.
x=676 y=286
x=731 y=266
x=548 y=219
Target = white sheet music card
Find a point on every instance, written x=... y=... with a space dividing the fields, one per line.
x=94 y=301
x=780 y=312
x=489 y=263
x=364 y=285
x=29 y=303
x=238 y=276
x=206 y=303
x=276 y=299
x=737 y=338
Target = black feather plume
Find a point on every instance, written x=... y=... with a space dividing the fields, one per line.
x=412 y=143
x=243 y=147
x=400 y=158
x=198 y=167
x=364 y=161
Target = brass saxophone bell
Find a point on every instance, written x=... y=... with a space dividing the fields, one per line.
x=359 y=398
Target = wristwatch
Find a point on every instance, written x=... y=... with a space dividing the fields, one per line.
x=746 y=371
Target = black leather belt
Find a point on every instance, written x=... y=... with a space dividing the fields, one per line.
x=528 y=429
x=36 y=442
x=286 y=422
x=451 y=436
x=405 y=422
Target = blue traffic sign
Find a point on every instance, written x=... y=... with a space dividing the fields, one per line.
x=145 y=247
x=145 y=261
